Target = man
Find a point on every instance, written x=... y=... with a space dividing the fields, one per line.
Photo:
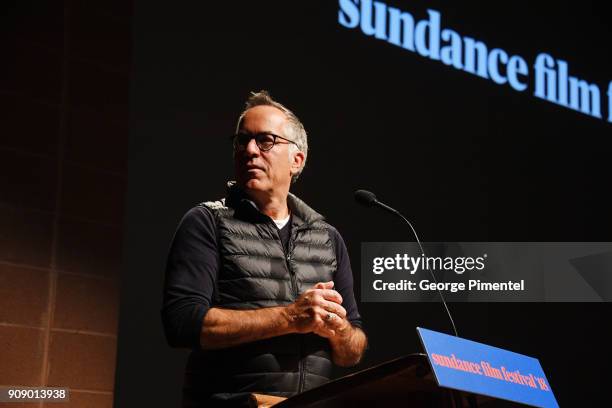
x=258 y=284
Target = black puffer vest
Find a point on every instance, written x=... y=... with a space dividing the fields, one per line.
x=255 y=272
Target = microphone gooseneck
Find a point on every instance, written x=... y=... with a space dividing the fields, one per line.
x=368 y=199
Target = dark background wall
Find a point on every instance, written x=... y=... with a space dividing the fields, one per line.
x=464 y=158
x=63 y=163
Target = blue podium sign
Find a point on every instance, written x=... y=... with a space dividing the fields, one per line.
x=475 y=367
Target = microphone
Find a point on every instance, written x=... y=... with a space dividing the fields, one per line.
x=368 y=199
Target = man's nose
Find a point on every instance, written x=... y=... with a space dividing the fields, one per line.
x=251 y=148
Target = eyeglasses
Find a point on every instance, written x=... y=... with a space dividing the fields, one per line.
x=265 y=140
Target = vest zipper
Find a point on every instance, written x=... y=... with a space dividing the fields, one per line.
x=295 y=294
x=288 y=256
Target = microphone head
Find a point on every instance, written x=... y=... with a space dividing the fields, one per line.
x=365 y=197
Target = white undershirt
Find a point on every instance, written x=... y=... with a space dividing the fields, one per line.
x=279 y=223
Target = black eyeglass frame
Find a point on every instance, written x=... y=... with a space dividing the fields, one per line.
x=257 y=137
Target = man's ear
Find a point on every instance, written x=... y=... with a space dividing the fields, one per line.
x=297 y=162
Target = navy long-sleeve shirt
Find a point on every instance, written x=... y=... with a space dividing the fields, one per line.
x=193 y=267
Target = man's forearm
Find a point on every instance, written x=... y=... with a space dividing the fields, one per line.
x=223 y=328
x=348 y=348
x=228 y=327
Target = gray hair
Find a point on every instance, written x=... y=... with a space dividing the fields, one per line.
x=293 y=131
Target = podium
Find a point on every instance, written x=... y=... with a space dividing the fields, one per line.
x=403 y=382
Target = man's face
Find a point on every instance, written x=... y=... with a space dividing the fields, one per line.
x=265 y=171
